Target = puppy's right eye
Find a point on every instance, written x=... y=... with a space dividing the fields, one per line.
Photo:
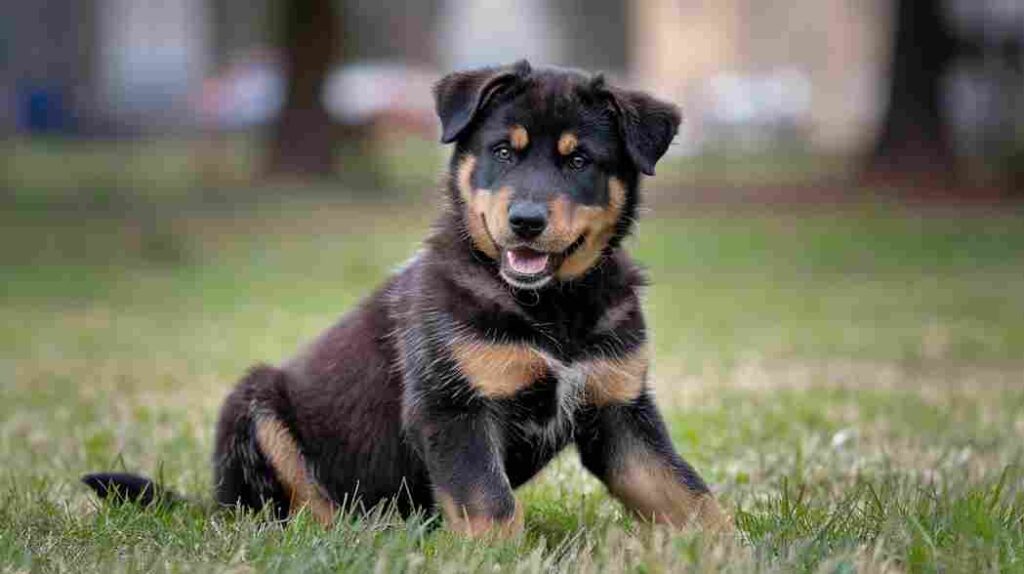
x=502 y=152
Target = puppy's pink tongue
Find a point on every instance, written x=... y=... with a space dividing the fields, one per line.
x=527 y=261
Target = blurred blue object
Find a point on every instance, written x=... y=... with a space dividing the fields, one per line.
x=42 y=109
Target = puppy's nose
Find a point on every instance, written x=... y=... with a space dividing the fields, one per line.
x=527 y=219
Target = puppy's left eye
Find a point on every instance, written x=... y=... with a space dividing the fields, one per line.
x=578 y=161
x=502 y=152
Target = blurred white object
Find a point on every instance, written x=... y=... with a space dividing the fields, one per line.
x=755 y=110
x=358 y=93
x=489 y=32
x=251 y=91
x=843 y=438
x=150 y=56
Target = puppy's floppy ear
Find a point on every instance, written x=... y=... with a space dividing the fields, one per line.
x=647 y=126
x=460 y=96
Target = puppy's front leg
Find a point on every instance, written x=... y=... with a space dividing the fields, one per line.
x=626 y=444
x=464 y=461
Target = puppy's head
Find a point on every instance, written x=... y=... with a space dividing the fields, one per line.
x=545 y=166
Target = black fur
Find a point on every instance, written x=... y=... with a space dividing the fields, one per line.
x=460 y=97
x=123 y=487
x=378 y=404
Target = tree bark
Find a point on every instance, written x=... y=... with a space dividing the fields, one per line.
x=303 y=137
x=914 y=143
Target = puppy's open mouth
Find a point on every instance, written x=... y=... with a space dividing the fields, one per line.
x=527 y=268
x=526 y=261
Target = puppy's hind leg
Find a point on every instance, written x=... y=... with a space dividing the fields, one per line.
x=257 y=459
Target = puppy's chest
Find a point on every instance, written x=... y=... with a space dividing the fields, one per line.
x=543 y=411
x=556 y=383
x=533 y=389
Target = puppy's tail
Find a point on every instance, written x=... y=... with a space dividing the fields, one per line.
x=121 y=487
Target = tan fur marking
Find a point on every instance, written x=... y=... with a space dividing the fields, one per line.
x=651 y=491
x=560 y=221
x=476 y=202
x=497 y=213
x=464 y=175
x=596 y=224
x=498 y=370
x=458 y=518
x=567 y=143
x=617 y=380
x=279 y=447
x=488 y=219
x=518 y=137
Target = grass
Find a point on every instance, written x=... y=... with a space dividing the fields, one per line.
x=850 y=382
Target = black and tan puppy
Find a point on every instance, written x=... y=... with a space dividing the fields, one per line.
x=516 y=331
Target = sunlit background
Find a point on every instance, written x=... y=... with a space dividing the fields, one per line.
x=835 y=241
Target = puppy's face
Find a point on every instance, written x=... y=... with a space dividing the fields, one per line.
x=546 y=165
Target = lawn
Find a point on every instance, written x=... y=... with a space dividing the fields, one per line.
x=850 y=381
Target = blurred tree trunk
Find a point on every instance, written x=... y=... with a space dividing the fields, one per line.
x=914 y=143
x=303 y=138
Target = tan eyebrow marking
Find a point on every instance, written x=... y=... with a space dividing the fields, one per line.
x=567 y=143
x=518 y=137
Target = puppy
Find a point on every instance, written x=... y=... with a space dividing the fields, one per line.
x=515 y=331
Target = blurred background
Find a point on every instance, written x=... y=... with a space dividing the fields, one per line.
x=920 y=96
x=847 y=181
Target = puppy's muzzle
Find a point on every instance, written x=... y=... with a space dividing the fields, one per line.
x=527 y=219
